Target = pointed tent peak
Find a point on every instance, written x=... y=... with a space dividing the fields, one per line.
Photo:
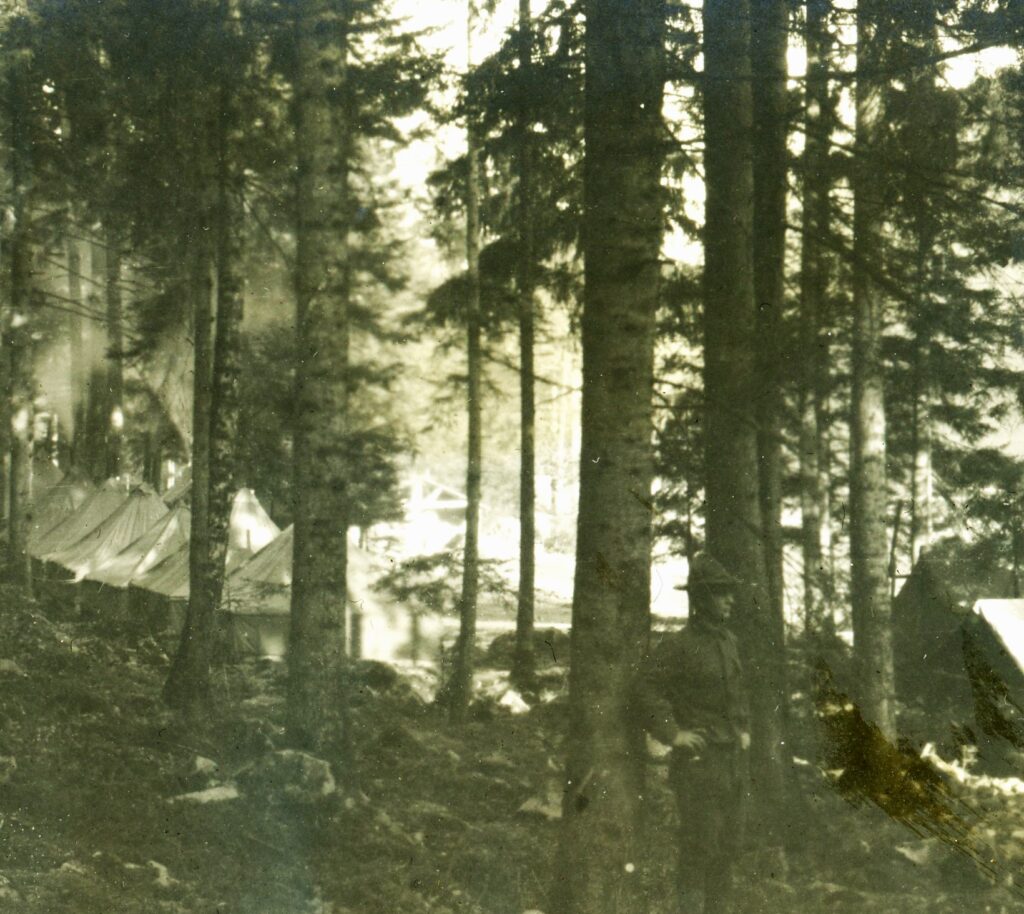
x=250 y=528
x=95 y=509
x=1006 y=619
x=57 y=504
x=137 y=513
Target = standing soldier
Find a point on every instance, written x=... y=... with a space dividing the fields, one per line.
x=693 y=699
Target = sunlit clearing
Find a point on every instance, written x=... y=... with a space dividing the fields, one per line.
x=961 y=71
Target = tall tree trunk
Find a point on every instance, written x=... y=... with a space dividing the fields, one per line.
x=19 y=326
x=460 y=688
x=769 y=35
x=76 y=342
x=188 y=685
x=115 y=357
x=731 y=378
x=316 y=650
x=92 y=448
x=601 y=856
x=921 y=468
x=522 y=673
x=814 y=281
x=933 y=138
x=871 y=607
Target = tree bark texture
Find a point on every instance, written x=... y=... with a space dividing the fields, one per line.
x=317 y=640
x=731 y=378
x=768 y=40
x=19 y=324
x=91 y=446
x=523 y=667
x=769 y=34
x=933 y=140
x=923 y=393
x=76 y=342
x=190 y=676
x=188 y=684
x=601 y=857
x=815 y=267
x=871 y=605
x=460 y=689
x=115 y=358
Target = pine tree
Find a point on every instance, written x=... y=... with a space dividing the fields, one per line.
x=731 y=382
x=188 y=685
x=815 y=271
x=621 y=229
x=769 y=34
x=868 y=541
x=460 y=688
x=769 y=101
x=316 y=646
x=21 y=107
x=522 y=673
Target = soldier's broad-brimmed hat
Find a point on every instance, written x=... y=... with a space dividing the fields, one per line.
x=707 y=572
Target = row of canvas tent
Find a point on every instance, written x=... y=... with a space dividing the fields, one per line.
x=958 y=638
x=126 y=550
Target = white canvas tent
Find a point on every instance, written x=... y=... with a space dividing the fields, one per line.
x=90 y=514
x=1005 y=619
x=57 y=504
x=263 y=584
x=169 y=578
x=256 y=603
x=165 y=537
x=136 y=514
x=250 y=530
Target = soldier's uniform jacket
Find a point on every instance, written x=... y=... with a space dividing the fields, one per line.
x=694 y=681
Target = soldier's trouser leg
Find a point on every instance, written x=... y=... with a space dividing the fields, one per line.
x=689 y=884
x=709 y=797
x=689 y=782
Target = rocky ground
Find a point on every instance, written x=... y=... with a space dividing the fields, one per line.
x=109 y=803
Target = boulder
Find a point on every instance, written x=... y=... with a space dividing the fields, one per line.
x=512 y=701
x=289 y=774
x=550 y=648
x=7 y=891
x=546 y=805
x=210 y=795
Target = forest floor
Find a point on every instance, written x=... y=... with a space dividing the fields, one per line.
x=109 y=803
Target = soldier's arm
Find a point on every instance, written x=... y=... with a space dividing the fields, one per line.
x=741 y=710
x=654 y=708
